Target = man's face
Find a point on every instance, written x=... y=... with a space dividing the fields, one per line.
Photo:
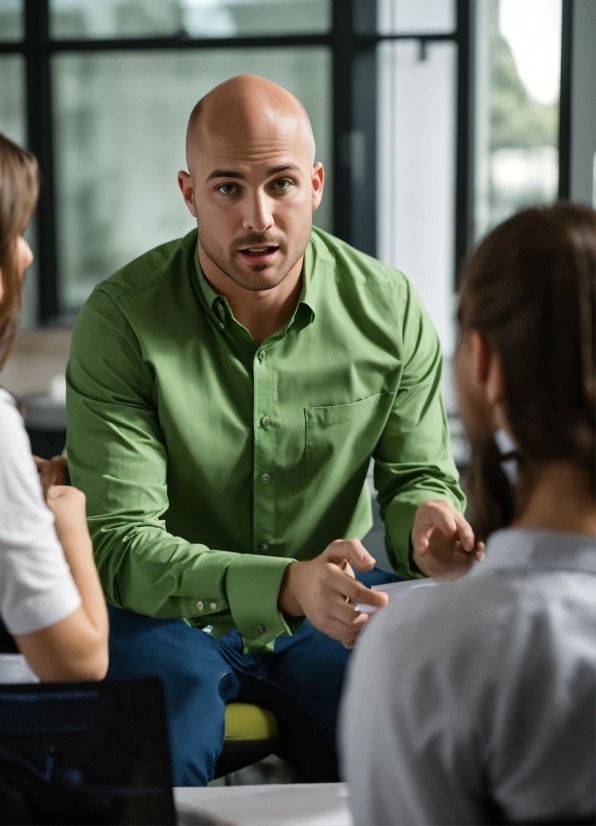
x=253 y=199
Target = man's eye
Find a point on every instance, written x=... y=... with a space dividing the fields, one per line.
x=227 y=189
x=283 y=183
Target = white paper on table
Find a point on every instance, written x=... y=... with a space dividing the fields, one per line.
x=395 y=590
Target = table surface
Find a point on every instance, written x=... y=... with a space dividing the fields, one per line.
x=294 y=804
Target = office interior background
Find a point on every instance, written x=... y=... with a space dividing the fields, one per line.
x=435 y=120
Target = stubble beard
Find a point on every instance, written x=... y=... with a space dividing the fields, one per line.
x=238 y=276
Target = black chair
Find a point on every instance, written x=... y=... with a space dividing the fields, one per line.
x=93 y=753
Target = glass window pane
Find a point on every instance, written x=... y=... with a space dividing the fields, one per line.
x=11 y=20
x=416 y=183
x=518 y=47
x=196 y=18
x=420 y=16
x=12 y=97
x=120 y=123
x=12 y=124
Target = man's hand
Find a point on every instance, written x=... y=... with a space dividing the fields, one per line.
x=325 y=591
x=52 y=472
x=443 y=543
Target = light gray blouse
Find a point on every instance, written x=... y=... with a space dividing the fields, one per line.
x=480 y=693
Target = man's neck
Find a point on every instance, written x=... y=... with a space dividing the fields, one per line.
x=262 y=312
x=560 y=500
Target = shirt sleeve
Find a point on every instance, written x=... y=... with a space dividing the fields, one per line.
x=413 y=460
x=36 y=587
x=117 y=456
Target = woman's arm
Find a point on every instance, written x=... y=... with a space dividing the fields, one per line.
x=76 y=648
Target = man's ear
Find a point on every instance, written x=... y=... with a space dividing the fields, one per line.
x=318 y=183
x=186 y=187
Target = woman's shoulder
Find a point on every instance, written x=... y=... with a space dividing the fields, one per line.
x=13 y=436
x=9 y=410
x=7 y=401
x=19 y=480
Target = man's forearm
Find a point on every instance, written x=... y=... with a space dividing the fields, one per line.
x=149 y=571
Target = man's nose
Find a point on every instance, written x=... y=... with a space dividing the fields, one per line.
x=258 y=216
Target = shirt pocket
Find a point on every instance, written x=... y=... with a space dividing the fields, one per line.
x=342 y=437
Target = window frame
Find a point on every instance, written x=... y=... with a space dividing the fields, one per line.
x=352 y=41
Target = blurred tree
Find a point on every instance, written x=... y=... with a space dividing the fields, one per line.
x=516 y=119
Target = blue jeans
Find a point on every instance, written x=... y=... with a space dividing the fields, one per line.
x=300 y=682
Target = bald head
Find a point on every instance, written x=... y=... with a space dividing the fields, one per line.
x=253 y=183
x=248 y=112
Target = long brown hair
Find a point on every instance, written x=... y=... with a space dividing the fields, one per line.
x=19 y=188
x=529 y=287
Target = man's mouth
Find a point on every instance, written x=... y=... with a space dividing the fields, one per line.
x=259 y=255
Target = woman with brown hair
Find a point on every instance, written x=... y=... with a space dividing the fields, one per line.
x=53 y=620
x=485 y=710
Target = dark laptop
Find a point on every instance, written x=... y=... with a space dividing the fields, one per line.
x=85 y=753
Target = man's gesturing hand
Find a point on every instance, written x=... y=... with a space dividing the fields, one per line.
x=443 y=543
x=324 y=590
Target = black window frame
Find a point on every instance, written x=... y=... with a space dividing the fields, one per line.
x=352 y=41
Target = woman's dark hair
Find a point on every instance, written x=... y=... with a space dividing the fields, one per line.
x=19 y=187
x=529 y=287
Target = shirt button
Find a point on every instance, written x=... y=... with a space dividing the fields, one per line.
x=265 y=478
x=265 y=421
x=200 y=605
x=262 y=549
x=213 y=606
x=261 y=629
x=262 y=355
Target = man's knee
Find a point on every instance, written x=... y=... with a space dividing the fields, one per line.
x=188 y=664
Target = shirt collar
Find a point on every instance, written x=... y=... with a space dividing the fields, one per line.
x=217 y=303
x=528 y=548
x=311 y=282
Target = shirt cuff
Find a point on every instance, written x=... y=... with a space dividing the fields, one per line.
x=252 y=587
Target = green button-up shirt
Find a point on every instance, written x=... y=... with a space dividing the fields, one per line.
x=210 y=462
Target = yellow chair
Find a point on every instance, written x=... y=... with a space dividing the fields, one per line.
x=251 y=734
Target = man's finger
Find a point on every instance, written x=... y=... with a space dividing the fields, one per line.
x=465 y=533
x=346 y=634
x=359 y=593
x=345 y=612
x=353 y=551
x=348 y=588
x=434 y=518
x=347 y=569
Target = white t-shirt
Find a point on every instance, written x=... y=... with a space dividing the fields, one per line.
x=36 y=587
x=476 y=700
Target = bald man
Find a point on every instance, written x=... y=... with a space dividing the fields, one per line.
x=226 y=392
